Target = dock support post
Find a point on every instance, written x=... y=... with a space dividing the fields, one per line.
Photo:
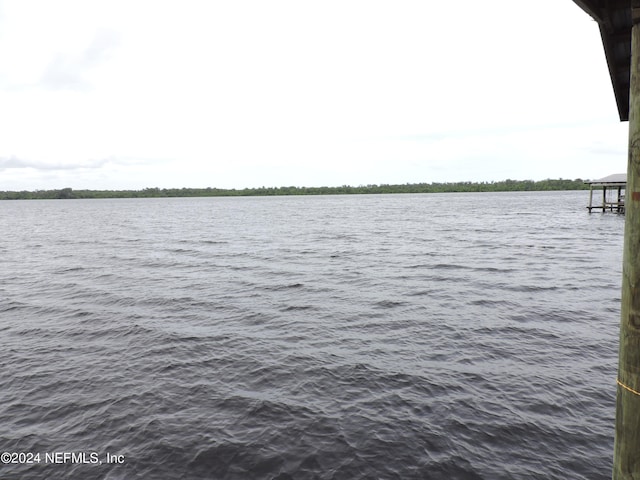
x=626 y=461
x=619 y=199
x=590 y=198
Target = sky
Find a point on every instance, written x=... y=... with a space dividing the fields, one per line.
x=242 y=93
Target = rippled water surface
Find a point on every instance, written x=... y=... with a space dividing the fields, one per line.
x=453 y=336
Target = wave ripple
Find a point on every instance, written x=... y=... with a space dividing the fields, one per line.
x=346 y=337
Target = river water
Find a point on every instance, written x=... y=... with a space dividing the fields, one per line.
x=436 y=336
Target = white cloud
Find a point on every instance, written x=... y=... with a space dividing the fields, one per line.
x=67 y=71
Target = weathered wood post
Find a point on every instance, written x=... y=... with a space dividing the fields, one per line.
x=626 y=462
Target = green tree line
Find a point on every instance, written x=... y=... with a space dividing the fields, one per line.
x=501 y=186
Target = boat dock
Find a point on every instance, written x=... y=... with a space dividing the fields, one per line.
x=613 y=191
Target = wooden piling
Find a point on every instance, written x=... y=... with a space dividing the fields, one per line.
x=626 y=462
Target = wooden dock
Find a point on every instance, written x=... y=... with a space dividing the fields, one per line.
x=613 y=192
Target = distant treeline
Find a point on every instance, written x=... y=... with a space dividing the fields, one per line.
x=502 y=186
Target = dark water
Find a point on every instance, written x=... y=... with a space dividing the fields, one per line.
x=455 y=336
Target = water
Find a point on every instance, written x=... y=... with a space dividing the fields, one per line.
x=453 y=336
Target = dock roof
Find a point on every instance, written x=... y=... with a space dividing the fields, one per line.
x=615 y=19
x=615 y=179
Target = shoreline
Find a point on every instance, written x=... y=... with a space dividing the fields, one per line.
x=453 y=187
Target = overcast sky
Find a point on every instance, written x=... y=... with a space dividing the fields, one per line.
x=134 y=94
